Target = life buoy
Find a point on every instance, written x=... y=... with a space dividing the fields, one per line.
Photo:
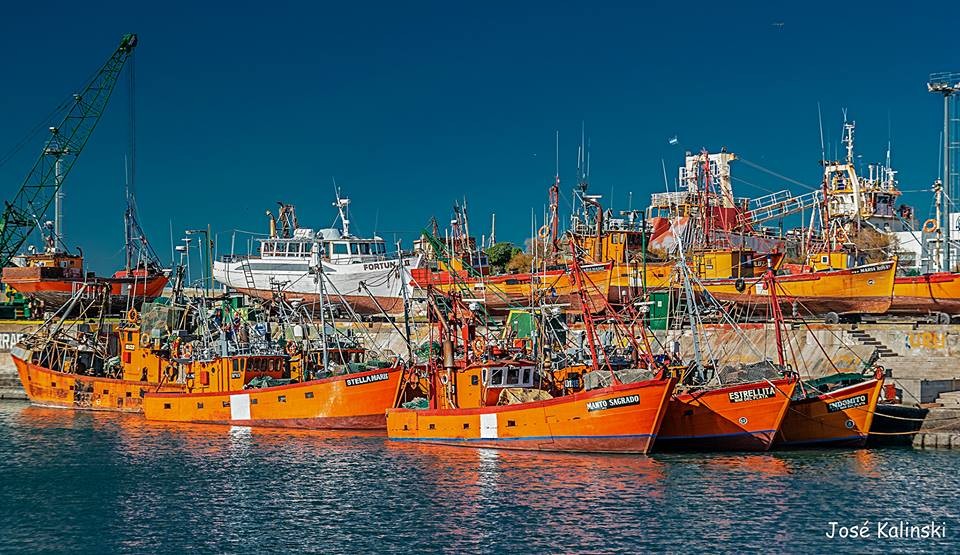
x=144 y=340
x=543 y=232
x=479 y=346
x=740 y=285
x=292 y=348
x=133 y=315
x=186 y=350
x=878 y=372
x=930 y=225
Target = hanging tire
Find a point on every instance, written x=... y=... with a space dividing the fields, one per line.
x=831 y=318
x=740 y=285
x=942 y=318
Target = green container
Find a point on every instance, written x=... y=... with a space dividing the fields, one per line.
x=660 y=309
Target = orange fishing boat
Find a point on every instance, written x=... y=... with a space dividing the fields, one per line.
x=821 y=417
x=928 y=293
x=741 y=417
x=350 y=401
x=496 y=401
x=621 y=418
x=71 y=374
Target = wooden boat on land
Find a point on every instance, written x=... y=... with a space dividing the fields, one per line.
x=54 y=278
x=838 y=416
x=500 y=293
x=938 y=292
x=866 y=289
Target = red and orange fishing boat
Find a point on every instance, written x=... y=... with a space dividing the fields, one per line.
x=620 y=418
x=834 y=411
x=740 y=417
x=495 y=400
x=54 y=278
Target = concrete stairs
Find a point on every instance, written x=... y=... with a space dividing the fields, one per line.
x=949 y=399
x=865 y=338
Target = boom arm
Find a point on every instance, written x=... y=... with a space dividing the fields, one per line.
x=64 y=145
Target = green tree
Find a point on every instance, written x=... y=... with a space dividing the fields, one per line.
x=499 y=255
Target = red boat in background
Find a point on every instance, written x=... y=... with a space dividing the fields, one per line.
x=53 y=278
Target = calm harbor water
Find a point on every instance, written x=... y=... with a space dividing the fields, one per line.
x=85 y=482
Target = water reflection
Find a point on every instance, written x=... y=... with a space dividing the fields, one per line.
x=118 y=483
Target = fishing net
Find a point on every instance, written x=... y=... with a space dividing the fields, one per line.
x=157 y=319
x=763 y=370
x=517 y=395
x=419 y=403
x=602 y=378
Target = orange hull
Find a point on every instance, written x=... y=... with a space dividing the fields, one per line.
x=623 y=418
x=57 y=291
x=838 y=418
x=352 y=401
x=501 y=293
x=741 y=417
x=939 y=292
x=862 y=290
x=57 y=389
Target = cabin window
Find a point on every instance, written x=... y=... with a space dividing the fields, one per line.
x=340 y=248
x=166 y=406
x=364 y=248
x=226 y=404
x=236 y=365
x=199 y=405
x=129 y=336
x=308 y=395
x=281 y=398
x=511 y=376
x=354 y=248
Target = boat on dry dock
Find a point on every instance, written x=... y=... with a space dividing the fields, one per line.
x=363 y=276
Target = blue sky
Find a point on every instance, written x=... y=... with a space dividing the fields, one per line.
x=412 y=105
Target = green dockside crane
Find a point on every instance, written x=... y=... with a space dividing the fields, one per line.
x=22 y=215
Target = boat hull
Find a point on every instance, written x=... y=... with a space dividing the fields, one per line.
x=59 y=389
x=741 y=417
x=354 y=284
x=499 y=294
x=938 y=292
x=352 y=401
x=862 y=290
x=55 y=292
x=838 y=418
x=623 y=418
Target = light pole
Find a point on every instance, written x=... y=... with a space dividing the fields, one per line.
x=947 y=84
x=209 y=261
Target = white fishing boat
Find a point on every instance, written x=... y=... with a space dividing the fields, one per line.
x=306 y=265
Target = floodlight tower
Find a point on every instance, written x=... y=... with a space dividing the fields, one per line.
x=947 y=84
